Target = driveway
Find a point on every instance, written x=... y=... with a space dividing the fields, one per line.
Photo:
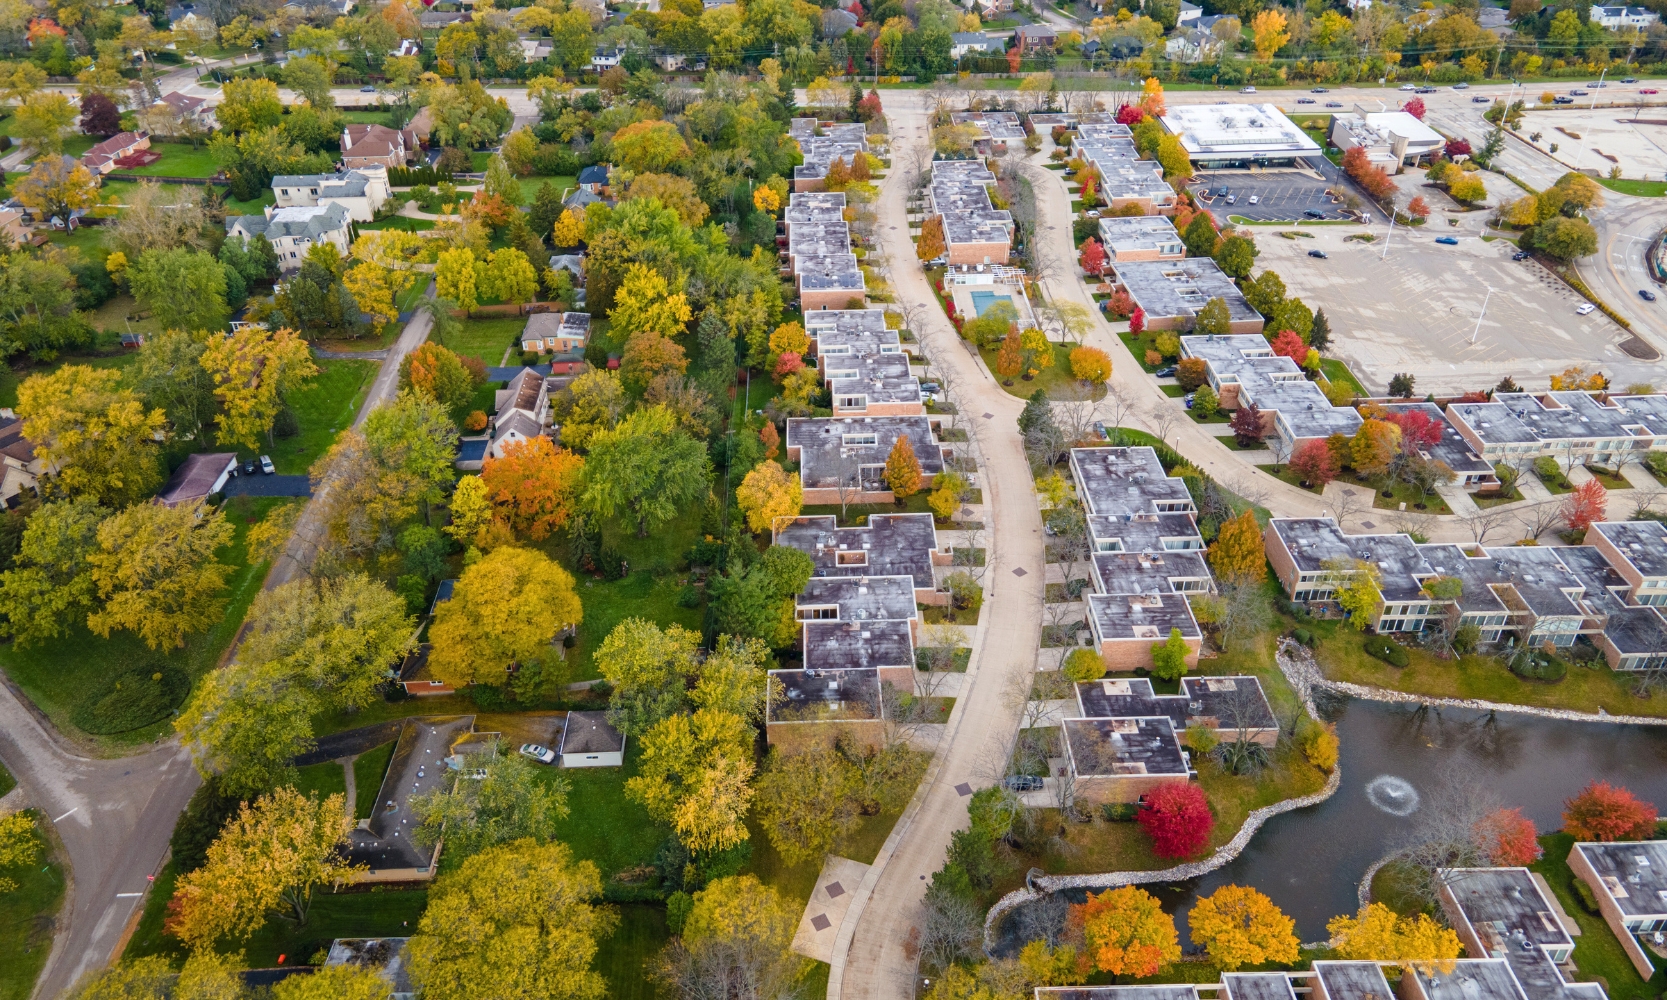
x=269 y=486
x=114 y=818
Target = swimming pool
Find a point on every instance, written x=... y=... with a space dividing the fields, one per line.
x=982 y=301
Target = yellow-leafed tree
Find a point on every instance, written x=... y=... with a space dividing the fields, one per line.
x=1237 y=555
x=156 y=572
x=902 y=469
x=506 y=609
x=1374 y=447
x=768 y=494
x=694 y=774
x=1239 y=926
x=455 y=279
x=374 y=289
x=1126 y=933
x=645 y=304
x=570 y=229
x=931 y=245
x=1378 y=934
x=471 y=509
x=97 y=440
x=267 y=859
x=253 y=369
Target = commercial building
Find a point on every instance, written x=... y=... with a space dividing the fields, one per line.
x=1243 y=370
x=1629 y=881
x=1140 y=238
x=1227 y=136
x=1390 y=138
x=294 y=231
x=843 y=459
x=362 y=192
x=1170 y=293
x=975 y=231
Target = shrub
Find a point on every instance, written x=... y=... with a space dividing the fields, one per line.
x=1206 y=402
x=1303 y=636
x=475 y=421
x=1319 y=744
x=1119 y=812
x=1538 y=665
x=1082 y=665
x=1168 y=343
x=1547 y=469
x=1386 y=649
x=1201 y=738
x=1191 y=373
x=1153 y=359
x=1588 y=901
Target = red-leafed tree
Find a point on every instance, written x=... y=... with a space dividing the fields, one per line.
x=1289 y=345
x=1419 y=430
x=1456 y=148
x=1605 y=812
x=1508 y=838
x=1246 y=424
x=1415 y=108
x=1137 y=320
x=1093 y=257
x=787 y=364
x=869 y=107
x=1014 y=56
x=1129 y=114
x=1585 y=505
x=1178 y=820
x=1314 y=463
x=1355 y=159
x=100 y=116
x=1120 y=304
x=1418 y=208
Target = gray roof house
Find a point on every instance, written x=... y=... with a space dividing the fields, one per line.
x=293 y=231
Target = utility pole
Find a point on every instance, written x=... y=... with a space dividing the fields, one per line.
x=1479 y=316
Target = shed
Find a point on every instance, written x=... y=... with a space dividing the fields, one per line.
x=588 y=741
x=198 y=477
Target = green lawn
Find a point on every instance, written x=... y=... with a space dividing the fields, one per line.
x=7 y=782
x=251 y=207
x=1596 y=951
x=26 y=919
x=178 y=160
x=1336 y=371
x=365 y=117
x=368 y=772
x=59 y=675
x=1640 y=189
x=603 y=826
x=326 y=406
x=123 y=191
x=606 y=604
x=325 y=778
x=390 y=913
x=1585 y=689
x=88 y=240
x=627 y=957
x=530 y=186
x=487 y=338
x=397 y=222
x=1056 y=378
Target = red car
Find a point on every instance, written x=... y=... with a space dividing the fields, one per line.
x=1649 y=90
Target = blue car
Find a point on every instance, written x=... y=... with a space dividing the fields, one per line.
x=1447 y=240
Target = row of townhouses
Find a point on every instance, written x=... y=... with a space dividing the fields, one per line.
x=818 y=253
x=822 y=143
x=975 y=231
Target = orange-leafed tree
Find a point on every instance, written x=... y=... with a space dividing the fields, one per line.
x=903 y=469
x=771 y=438
x=1289 y=345
x=1151 y=99
x=1314 y=463
x=1090 y=364
x=535 y=485
x=1126 y=933
x=931 y=244
x=1418 y=208
x=1010 y=359
x=1237 y=555
x=1586 y=504
x=1014 y=57
x=1606 y=812
x=1375 y=445
x=1093 y=257
x=1508 y=838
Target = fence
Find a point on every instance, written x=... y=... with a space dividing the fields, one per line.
x=119 y=176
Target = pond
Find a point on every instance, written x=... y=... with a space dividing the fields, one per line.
x=1393 y=757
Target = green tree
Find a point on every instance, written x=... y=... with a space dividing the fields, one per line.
x=646 y=666
x=1567 y=239
x=249 y=104
x=738 y=932
x=245 y=724
x=806 y=802
x=337 y=638
x=1236 y=255
x=37 y=307
x=645 y=468
x=1265 y=293
x=1200 y=236
x=184 y=290
x=157 y=574
x=50 y=587
x=1169 y=658
x=170 y=376
x=513 y=920
x=380 y=477
x=1213 y=318
x=511 y=800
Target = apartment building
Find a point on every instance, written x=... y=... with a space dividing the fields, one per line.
x=1575 y=428
x=1125 y=178
x=975 y=231
x=1171 y=293
x=843 y=459
x=813 y=207
x=888 y=545
x=878 y=385
x=1472 y=471
x=996 y=129
x=822 y=143
x=844 y=333
x=859 y=599
x=1630 y=883
x=1243 y=369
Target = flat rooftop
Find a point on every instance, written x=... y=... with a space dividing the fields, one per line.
x=1635 y=874
x=842 y=645
x=880 y=378
x=1313 y=541
x=1641 y=543
x=1147 y=572
x=1002 y=125
x=1352 y=981
x=1124 y=747
x=1472 y=979
x=1505 y=907
x=823 y=695
x=832 y=449
x=1147 y=616
x=1524 y=418
x=1452 y=450
x=1180 y=288
x=1217 y=702
x=888 y=545
x=1122 y=181
x=988 y=225
x=1637 y=629
x=860 y=598
x=1237 y=130
x=1175 y=992
x=1125 y=481
x=1144 y=533
x=1133 y=234
x=819 y=239
x=1256 y=986
x=840 y=332
x=1271 y=382
x=834 y=272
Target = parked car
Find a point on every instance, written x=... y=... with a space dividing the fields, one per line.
x=1232 y=199
x=544 y=755
x=1584 y=308
x=1313 y=213
x=1648 y=90
x=249 y=467
x=1479 y=99
x=1461 y=86
x=1321 y=254
x=1578 y=93
x=1247 y=90
x=1408 y=86
x=1521 y=255
x=1221 y=192
x=1190 y=397
x=1562 y=100
x=1092 y=213
x=1629 y=79
x=1646 y=295
x=1334 y=104
x=1255 y=199
x=367 y=90
x=1426 y=90
x=1451 y=241
x=1165 y=372
x=1597 y=84
x=1022 y=783
x=1305 y=100
x=266 y=465
x=1319 y=90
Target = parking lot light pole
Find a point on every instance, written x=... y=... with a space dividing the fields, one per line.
x=1385 y=254
x=1479 y=316
x=1596 y=91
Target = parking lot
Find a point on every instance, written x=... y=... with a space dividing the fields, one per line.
x=1416 y=311
x=1281 y=195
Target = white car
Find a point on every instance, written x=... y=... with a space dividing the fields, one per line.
x=1408 y=86
x=1255 y=199
x=544 y=755
x=1584 y=308
x=266 y=465
x=1247 y=90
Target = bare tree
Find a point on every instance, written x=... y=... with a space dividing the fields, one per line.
x=1537 y=519
x=1347 y=503
x=1443 y=835
x=1117 y=410
x=1485 y=521
x=951 y=928
x=1281 y=449
x=1163 y=419
x=939 y=646
x=849 y=482
x=1074 y=410
x=1245 y=614
x=1644 y=499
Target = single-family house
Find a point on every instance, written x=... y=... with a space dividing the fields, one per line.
x=362 y=192
x=20 y=470
x=1035 y=37
x=1192 y=45
x=605 y=59
x=186 y=108
x=101 y=159
x=588 y=741
x=555 y=332
x=294 y=231
x=198 y=477
x=377 y=145
x=523 y=411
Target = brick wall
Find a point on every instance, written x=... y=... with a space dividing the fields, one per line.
x=1123 y=788
x=1611 y=913
x=979 y=253
x=882 y=410
x=837 y=299
x=796 y=737
x=1128 y=654
x=1284 y=567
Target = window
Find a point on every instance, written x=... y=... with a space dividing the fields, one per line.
x=852 y=402
x=859 y=440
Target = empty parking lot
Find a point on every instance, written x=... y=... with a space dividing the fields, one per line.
x=1417 y=310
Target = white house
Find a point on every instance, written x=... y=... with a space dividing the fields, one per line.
x=293 y=231
x=963 y=42
x=1191 y=46
x=362 y=191
x=1615 y=18
x=588 y=741
x=606 y=59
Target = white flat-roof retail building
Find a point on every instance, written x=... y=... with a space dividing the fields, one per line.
x=1218 y=136
x=1390 y=138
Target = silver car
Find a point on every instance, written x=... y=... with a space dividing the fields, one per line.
x=544 y=755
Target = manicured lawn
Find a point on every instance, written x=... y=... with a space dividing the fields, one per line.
x=391 y=913
x=1640 y=189
x=530 y=186
x=123 y=191
x=1557 y=485
x=916 y=504
x=1056 y=379
x=119 y=315
x=487 y=338
x=1596 y=951
x=1335 y=370
x=1404 y=493
x=60 y=674
x=365 y=117
x=1585 y=689
x=178 y=160
x=1232 y=444
x=368 y=772
x=326 y=406
x=325 y=779
x=1485 y=501
x=627 y=957
x=88 y=239
x=397 y=222
x=606 y=604
x=1285 y=475
x=603 y=825
x=251 y=207
x=26 y=919
x=1609 y=480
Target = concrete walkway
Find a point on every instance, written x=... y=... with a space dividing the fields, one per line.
x=870 y=957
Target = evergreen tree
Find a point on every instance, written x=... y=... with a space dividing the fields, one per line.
x=1037 y=413
x=1319 y=335
x=856 y=100
x=545 y=210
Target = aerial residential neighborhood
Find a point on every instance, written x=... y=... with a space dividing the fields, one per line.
x=1093 y=500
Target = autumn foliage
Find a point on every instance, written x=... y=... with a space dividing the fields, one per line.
x=1378 y=934
x=767 y=494
x=1289 y=345
x=902 y=469
x=931 y=244
x=1239 y=926
x=535 y=485
x=1178 y=820
x=1093 y=258
x=1415 y=108
x=1125 y=932
x=1585 y=505
x=1010 y=358
x=1359 y=166
x=1237 y=555
x=1090 y=364
x=1509 y=838
x=1606 y=812
x=1314 y=463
